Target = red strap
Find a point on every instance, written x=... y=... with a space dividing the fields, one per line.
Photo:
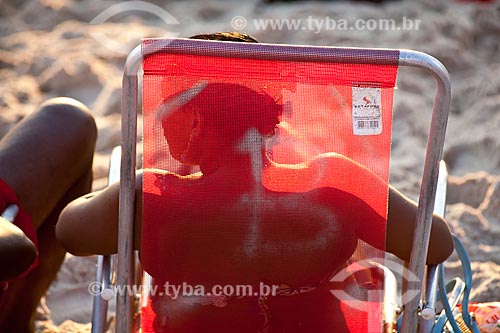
x=23 y=220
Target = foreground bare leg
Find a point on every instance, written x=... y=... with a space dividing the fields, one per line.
x=47 y=160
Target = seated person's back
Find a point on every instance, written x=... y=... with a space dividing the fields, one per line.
x=246 y=220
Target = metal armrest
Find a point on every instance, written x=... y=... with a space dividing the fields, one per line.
x=428 y=314
x=105 y=268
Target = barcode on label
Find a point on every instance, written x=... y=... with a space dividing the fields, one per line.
x=366 y=111
x=371 y=124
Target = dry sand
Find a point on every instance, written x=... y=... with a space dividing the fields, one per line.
x=49 y=48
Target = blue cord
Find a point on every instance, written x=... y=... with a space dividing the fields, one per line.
x=448 y=308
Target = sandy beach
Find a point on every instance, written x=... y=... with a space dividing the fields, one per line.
x=70 y=48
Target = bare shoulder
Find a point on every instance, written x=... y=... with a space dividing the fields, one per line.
x=321 y=171
x=333 y=159
x=318 y=162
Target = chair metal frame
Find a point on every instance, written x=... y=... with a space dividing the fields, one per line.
x=428 y=312
x=437 y=131
x=105 y=264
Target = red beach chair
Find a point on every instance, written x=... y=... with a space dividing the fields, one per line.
x=307 y=131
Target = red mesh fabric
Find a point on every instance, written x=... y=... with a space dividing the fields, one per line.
x=294 y=151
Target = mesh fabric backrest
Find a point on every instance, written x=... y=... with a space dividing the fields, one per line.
x=280 y=206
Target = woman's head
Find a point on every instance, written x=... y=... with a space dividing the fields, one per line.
x=217 y=114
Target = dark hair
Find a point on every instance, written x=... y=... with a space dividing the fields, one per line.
x=232 y=109
x=227 y=36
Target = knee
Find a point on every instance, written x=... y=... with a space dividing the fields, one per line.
x=71 y=116
x=70 y=112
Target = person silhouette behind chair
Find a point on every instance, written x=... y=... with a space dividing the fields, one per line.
x=244 y=220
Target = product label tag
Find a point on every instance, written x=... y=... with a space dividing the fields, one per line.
x=366 y=111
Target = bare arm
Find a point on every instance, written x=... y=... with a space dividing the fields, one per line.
x=401 y=211
x=89 y=224
x=400 y=227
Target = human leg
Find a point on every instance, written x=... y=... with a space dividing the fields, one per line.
x=44 y=155
x=46 y=159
